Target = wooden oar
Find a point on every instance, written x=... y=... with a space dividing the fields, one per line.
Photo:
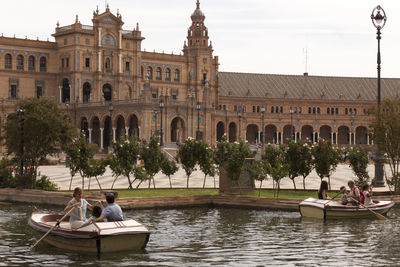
x=333 y=198
x=379 y=216
x=52 y=228
x=5 y=204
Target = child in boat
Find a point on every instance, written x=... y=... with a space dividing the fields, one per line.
x=343 y=198
x=96 y=212
x=367 y=195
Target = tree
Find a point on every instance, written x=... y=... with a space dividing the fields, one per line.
x=358 y=158
x=326 y=159
x=46 y=131
x=206 y=161
x=275 y=164
x=79 y=153
x=258 y=171
x=169 y=168
x=81 y=160
x=386 y=134
x=306 y=161
x=124 y=158
x=152 y=157
x=187 y=155
x=293 y=159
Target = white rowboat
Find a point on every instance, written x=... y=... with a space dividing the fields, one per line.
x=331 y=209
x=96 y=237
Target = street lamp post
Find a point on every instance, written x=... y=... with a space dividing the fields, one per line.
x=262 y=125
x=67 y=105
x=20 y=113
x=161 y=122
x=379 y=21
x=240 y=125
x=110 y=134
x=198 y=121
x=291 y=122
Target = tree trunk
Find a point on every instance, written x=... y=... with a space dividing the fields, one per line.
x=259 y=190
x=187 y=182
x=304 y=182
x=294 y=183
x=154 y=183
x=204 y=182
x=149 y=183
x=170 y=184
x=89 y=183
x=214 y=181
x=329 y=182
x=279 y=187
x=129 y=181
x=70 y=183
x=112 y=186
x=98 y=183
x=141 y=181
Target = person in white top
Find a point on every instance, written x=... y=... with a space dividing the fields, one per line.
x=367 y=190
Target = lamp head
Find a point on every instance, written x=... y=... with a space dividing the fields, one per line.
x=378 y=17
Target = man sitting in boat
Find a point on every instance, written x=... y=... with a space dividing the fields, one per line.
x=355 y=193
x=78 y=216
x=112 y=212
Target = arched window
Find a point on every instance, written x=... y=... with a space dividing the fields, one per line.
x=31 y=63
x=8 y=61
x=176 y=75
x=149 y=73
x=20 y=62
x=86 y=92
x=346 y=111
x=328 y=110
x=158 y=74
x=43 y=64
x=65 y=93
x=272 y=109
x=108 y=40
x=107 y=92
x=108 y=65
x=167 y=74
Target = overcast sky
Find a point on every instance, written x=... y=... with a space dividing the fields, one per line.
x=255 y=36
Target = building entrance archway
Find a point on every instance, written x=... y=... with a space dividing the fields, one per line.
x=178 y=130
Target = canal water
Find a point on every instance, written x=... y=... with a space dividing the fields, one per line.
x=219 y=237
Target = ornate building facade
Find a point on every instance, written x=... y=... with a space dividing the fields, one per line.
x=110 y=87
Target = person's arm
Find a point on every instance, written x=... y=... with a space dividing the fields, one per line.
x=70 y=206
x=325 y=195
x=100 y=219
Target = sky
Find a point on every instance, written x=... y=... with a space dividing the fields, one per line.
x=252 y=36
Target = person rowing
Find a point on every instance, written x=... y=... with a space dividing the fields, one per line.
x=355 y=193
x=78 y=215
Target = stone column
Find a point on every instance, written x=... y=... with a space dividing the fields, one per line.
x=126 y=131
x=99 y=61
x=114 y=134
x=90 y=135
x=119 y=63
x=99 y=29
x=120 y=39
x=101 y=138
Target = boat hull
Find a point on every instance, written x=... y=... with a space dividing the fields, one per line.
x=100 y=237
x=325 y=209
x=106 y=244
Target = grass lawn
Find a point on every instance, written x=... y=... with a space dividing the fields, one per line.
x=166 y=192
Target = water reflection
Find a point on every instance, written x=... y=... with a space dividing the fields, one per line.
x=234 y=237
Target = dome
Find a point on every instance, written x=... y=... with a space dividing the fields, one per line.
x=198 y=14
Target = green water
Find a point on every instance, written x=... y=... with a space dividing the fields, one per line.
x=219 y=237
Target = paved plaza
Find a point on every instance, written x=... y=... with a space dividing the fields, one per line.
x=61 y=176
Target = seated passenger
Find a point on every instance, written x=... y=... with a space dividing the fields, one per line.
x=96 y=213
x=79 y=204
x=367 y=191
x=112 y=212
x=323 y=190
x=355 y=194
x=343 y=199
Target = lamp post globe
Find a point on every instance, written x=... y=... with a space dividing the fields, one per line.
x=379 y=18
x=262 y=125
x=161 y=123
x=110 y=136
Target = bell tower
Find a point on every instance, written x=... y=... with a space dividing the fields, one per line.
x=197 y=37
